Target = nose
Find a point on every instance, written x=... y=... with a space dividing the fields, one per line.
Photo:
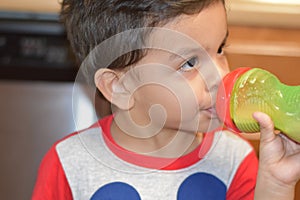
x=221 y=68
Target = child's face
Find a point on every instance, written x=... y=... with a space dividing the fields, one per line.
x=176 y=82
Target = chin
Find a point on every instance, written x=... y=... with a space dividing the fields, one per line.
x=211 y=125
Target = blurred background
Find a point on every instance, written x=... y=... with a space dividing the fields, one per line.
x=38 y=69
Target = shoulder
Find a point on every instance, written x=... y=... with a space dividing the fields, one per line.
x=232 y=142
x=232 y=147
x=79 y=139
x=229 y=150
x=51 y=182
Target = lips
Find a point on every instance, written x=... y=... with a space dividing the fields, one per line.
x=212 y=111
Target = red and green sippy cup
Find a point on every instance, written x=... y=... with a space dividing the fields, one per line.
x=246 y=90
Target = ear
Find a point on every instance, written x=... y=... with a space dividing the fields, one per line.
x=109 y=83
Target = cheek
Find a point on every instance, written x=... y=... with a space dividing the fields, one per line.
x=200 y=90
x=157 y=95
x=200 y=93
x=178 y=101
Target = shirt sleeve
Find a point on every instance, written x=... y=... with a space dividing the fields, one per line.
x=243 y=184
x=51 y=180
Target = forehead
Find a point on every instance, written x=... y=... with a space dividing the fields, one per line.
x=191 y=31
x=209 y=21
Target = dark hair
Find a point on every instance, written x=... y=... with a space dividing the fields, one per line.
x=90 y=22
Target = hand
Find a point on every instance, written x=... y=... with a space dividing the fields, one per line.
x=279 y=162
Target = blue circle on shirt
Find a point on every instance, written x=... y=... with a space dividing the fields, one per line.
x=201 y=186
x=116 y=191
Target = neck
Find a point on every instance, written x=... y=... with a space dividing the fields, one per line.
x=167 y=143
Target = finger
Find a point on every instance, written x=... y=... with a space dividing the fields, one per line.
x=266 y=126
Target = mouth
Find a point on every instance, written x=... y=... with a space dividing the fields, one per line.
x=211 y=111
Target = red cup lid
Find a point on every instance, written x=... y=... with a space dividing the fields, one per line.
x=224 y=94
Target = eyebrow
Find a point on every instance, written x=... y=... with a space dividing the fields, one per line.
x=186 y=51
x=181 y=53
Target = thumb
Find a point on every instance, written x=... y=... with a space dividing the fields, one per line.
x=266 y=127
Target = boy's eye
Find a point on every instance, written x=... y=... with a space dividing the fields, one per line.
x=220 y=50
x=189 y=65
